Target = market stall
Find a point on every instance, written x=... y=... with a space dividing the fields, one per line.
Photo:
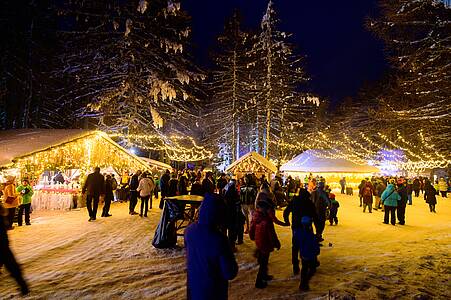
x=252 y=162
x=311 y=161
x=57 y=160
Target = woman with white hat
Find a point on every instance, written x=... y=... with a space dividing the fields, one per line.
x=10 y=200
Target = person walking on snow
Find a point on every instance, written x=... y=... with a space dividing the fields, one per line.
x=10 y=200
x=145 y=189
x=343 y=185
x=321 y=201
x=299 y=207
x=134 y=183
x=209 y=259
x=333 y=211
x=401 y=208
x=390 y=200
x=109 y=196
x=94 y=187
x=26 y=191
x=367 y=195
x=443 y=187
x=430 y=196
x=164 y=187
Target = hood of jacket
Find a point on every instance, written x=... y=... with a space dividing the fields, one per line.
x=211 y=211
x=390 y=188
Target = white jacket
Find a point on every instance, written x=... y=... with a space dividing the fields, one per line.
x=145 y=187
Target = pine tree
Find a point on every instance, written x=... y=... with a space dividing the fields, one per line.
x=230 y=90
x=417 y=35
x=127 y=61
x=278 y=78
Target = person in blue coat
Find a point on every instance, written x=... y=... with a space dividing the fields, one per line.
x=390 y=198
x=209 y=257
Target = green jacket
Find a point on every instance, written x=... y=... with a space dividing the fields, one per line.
x=390 y=197
x=26 y=198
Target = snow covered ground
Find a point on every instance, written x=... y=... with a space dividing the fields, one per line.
x=65 y=257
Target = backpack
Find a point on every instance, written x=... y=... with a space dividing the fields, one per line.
x=367 y=192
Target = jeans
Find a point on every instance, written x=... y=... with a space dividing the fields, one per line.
x=106 y=206
x=145 y=204
x=22 y=208
x=365 y=205
x=443 y=193
x=295 y=251
x=432 y=207
x=409 y=199
x=387 y=211
x=133 y=200
x=342 y=189
x=92 y=203
x=401 y=212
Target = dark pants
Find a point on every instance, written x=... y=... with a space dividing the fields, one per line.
x=320 y=228
x=145 y=205
x=401 y=212
x=369 y=206
x=361 y=199
x=387 y=211
x=232 y=235
x=295 y=251
x=417 y=193
x=240 y=233
x=22 y=208
x=263 y=260
x=92 y=203
x=10 y=217
x=307 y=271
x=106 y=206
x=432 y=207
x=333 y=218
x=342 y=189
x=443 y=193
x=133 y=200
x=7 y=259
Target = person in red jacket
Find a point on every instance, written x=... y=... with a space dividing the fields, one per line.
x=263 y=233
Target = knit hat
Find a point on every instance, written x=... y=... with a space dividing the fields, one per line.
x=332 y=196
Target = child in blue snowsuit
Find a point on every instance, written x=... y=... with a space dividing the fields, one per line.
x=309 y=248
x=333 y=210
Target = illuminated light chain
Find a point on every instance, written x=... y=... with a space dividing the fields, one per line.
x=170 y=145
x=83 y=153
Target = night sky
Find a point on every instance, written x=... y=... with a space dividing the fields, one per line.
x=341 y=54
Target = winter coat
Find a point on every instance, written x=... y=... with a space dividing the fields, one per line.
x=334 y=205
x=262 y=232
x=94 y=184
x=109 y=189
x=208 y=186
x=380 y=188
x=182 y=186
x=367 y=193
x=134 y=182
x=248 y=194
x=430 y=194
x=164 y=184
x=308 y=243
x=220 y=185
x=402 y=192
x=442 y=185
x=26 y=197
x=234 y=216
x=416 y=184
x=321 y=202
x=390 y=197
x=145 y=187
x=10 y=191
x=173 y=187
x=209 y=258
x=299 y=207
x=196 y=189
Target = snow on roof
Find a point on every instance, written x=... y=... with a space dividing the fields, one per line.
x=21 y=142
x=156 y=163
x=309 y=162
x=249 y=160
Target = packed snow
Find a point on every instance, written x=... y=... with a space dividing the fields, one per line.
x=65 y=257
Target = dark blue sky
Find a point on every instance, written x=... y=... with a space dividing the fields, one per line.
x=341 y=55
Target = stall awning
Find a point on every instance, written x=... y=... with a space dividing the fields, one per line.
x=252 y=162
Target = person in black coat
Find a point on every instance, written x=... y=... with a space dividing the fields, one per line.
x=7 y=257
x=173 y=186
x=299 y=207
x=183 y=186
x=209 y=258
x=401 y=208
x=208 y=186
x=164 y=187
x=430 y=195
x=321 y=201
x=222 y=182
x=196 y=188
x=134 y=183
x=94 y=187
x=234 y=216
x=108 y=196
